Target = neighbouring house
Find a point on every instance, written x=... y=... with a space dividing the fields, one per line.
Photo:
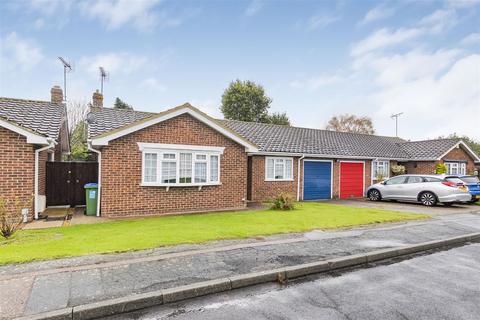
x=31 y=133
x=182 y=160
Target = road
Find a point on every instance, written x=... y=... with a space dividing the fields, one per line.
x=441 y=285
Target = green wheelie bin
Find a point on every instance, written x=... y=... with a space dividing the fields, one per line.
x=91 y=193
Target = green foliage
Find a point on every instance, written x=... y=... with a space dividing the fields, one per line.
x=8 y=224
x=279 y=118
x=120 y=104
x=351 y=123
x=247 y=101
x=398 y=169
x=78 y=143
x=144 y=233
x=284 y=201
x=440 y=168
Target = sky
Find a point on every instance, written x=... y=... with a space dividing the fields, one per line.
x=315 y=59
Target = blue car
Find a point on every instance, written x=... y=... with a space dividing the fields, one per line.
x=472 y=182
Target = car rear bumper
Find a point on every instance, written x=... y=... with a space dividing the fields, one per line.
x=458 y=197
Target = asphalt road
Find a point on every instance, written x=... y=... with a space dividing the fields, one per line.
x=442 y=285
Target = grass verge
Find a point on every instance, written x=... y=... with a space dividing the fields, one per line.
x=144 y=233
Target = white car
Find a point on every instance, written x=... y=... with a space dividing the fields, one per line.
x=426 y=189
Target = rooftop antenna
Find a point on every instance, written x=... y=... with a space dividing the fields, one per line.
x=67 y=67
x=103 y=77
x=396 y=115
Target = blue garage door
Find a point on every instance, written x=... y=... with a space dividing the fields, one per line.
x=317 y=180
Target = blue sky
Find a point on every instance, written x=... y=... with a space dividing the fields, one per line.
x=315 y=59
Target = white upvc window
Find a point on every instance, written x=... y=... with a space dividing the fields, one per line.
x=380 y=168
x=459 y=168
x=278 y=169
x=180 y=165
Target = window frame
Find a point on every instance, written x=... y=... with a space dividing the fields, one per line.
x=161 y=149
x=275 y=159
x=460 y=166
x=375 y=167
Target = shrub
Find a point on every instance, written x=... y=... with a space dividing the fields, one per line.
x=8 y=225
x=284 y=201
x=379 y=177
x=398 y=169
x=440 y=168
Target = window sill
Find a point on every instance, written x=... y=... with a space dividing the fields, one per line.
x=171 y=185
x=278 y=180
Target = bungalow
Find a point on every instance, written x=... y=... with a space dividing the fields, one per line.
x=31 y=132
x=181 y=160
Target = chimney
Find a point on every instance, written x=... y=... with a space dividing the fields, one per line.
x=56 y=94
x=97 y=99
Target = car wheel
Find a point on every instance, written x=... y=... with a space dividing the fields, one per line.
x=428 y=199
x=374 y=195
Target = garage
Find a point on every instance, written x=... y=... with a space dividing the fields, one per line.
x=317 y=180
x=351 y=179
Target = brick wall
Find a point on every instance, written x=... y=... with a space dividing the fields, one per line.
x=265 y=190
x=122 y=194
x=16 y=171
x=428 y=167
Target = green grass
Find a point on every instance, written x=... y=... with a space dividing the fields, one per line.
x=126 y=235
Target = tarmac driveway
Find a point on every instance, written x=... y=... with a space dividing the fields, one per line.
x=409 y=207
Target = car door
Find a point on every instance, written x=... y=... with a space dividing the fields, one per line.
x=393 y=187
x=413 y=186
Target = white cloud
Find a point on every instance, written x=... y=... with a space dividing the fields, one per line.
x=377 y=13
x=152 y=83
x=116 y=13
x=462 y=3
x=17 y=53
x=436 y=105
x=384 y=38
x=254 y=7
x=124 y=63
x=316 y=82
x=471 y=39
x=49 y=7
x=322 y=20
x=440 y=20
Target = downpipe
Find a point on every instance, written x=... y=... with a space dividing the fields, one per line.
x=298 y=176
x=51 y=145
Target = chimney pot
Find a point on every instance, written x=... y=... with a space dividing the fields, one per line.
x=56 y=94
x=97 y=99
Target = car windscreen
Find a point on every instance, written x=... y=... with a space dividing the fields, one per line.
x=470 y=180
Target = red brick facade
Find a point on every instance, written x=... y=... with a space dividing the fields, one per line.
x=122 y=194
x=16 y=172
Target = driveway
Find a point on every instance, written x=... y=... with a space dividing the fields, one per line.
x=408 y=207
x=443 y=285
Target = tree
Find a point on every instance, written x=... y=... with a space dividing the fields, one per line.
x=279 y=118
x=120 y=104
x=77 y=125
x=351 y=123
x=245 y=101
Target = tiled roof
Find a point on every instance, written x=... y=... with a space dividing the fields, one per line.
x=102 y=120
x=278 y=138
x=428 y=149
x=42 y=117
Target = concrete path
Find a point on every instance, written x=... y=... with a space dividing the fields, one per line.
x=46 y=286
x=442 y=285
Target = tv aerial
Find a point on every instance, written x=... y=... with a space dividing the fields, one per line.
x=104 y=75
x=67 y=67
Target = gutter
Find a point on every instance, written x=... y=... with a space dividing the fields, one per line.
x=51 y=144
x=298 y=176
x=99 y=153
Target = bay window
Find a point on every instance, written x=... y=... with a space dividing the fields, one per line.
x=380 y=168
x=278 y=169
x=180 y=165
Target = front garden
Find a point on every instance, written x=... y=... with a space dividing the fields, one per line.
x=144 y=233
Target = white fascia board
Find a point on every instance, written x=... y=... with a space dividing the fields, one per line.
x=31 y=137
x=164 y=146
x=103 y=141
x=469 y=150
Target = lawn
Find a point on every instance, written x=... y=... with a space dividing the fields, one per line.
x=127 y=235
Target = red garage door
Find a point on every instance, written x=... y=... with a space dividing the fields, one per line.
x=351 y=179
